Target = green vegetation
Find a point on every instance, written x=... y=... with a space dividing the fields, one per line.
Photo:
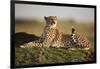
x=32 y=56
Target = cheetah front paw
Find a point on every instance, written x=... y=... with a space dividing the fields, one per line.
x=22 y=46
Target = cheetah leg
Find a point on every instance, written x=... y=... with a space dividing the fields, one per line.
x=32 y=44
x=37 y=43
x=46 y=42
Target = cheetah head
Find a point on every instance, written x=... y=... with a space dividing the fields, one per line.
x=51 y=21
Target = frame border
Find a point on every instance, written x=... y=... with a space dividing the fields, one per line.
x=12 y=30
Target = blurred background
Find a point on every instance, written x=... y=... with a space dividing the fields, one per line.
x=30 y=19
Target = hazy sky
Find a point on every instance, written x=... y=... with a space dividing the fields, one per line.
x=27 y=11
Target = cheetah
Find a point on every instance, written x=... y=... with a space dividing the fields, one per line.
x=52 y=37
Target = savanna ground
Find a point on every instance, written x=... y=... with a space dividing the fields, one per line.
x=26 y=31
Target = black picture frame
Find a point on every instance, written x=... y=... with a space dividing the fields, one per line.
x=13 y=2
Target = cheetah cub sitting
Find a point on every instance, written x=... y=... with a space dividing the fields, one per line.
x=51 y=37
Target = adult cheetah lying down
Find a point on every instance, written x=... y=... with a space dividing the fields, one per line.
x=51 y=37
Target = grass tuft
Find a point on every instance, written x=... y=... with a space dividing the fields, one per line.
x=34 y=56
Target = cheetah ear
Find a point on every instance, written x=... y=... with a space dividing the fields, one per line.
x=45 y=17
x=56 y=17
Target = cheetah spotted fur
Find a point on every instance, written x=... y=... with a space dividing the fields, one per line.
x=51 y=37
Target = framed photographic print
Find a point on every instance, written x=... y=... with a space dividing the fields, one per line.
x=50 y=34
